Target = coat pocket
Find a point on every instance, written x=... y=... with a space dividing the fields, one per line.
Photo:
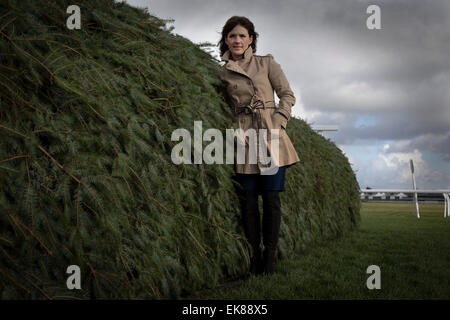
x=277 y=117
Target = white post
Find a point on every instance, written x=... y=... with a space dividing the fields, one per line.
x=446 y=205
x=416 y=200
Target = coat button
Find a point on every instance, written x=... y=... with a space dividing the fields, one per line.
x=235 y=86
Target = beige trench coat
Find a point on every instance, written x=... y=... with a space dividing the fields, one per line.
x=249 y=86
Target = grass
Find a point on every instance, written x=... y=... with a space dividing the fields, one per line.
x=413 y=255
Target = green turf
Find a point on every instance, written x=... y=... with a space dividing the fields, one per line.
x=413 y=255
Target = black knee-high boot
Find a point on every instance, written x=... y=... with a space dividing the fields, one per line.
x=252 y=228
x=271 y=228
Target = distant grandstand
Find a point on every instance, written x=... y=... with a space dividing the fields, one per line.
x=402 y=197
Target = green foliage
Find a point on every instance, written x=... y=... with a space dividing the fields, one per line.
x=86 y=176
x=321 y=200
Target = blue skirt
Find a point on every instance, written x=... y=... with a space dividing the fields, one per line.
x=260 y=183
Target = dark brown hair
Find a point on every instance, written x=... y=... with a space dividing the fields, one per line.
x=230 y=24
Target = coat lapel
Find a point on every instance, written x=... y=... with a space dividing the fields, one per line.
x=233 y=65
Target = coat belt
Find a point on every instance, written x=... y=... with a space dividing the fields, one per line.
x=251 y=108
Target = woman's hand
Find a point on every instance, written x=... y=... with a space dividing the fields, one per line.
x=279 y=121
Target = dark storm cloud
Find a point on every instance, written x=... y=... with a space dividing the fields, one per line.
x=399 y=75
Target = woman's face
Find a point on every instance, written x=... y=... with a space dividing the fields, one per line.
x=238 y=41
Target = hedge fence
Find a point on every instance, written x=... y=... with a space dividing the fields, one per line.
x=86 y=176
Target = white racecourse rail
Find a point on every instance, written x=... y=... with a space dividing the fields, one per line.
x=445 y=193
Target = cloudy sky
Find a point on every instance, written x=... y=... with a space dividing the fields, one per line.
x=388 y=90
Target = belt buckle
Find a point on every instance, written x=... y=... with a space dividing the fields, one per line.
x=248 y=109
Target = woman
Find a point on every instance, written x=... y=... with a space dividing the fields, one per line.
x=250 y=81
